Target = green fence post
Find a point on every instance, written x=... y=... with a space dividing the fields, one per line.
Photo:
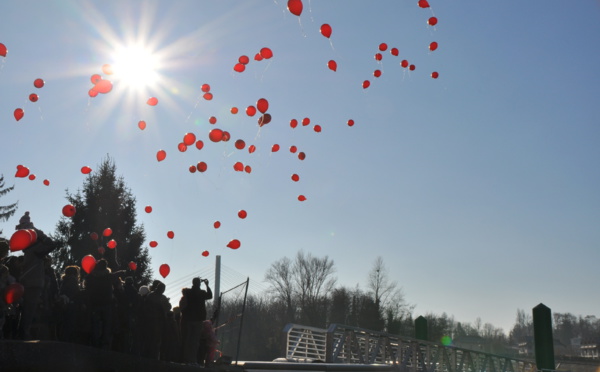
x=421 y=328
x=542 y=336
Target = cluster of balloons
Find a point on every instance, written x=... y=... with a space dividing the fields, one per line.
x=19 y=113
x=243 y=60
x=101 y=85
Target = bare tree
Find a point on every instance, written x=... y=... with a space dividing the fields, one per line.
x=280 y=276
x=388 y=296
x=303 y=284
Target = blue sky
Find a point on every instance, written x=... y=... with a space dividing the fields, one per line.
x=479 y=188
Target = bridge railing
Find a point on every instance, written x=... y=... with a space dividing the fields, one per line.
x=353 y=345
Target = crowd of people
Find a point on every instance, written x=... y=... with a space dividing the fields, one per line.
x=104 y=309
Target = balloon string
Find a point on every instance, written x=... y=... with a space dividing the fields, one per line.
x=194 y=109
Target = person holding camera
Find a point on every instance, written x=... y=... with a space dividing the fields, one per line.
x=193 y=313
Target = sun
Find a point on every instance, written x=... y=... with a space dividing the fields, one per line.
x=135 y=67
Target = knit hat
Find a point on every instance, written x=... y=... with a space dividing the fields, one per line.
x=25 y=222
x=144 y=290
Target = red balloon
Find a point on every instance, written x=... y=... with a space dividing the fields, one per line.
x=33 y=97
x=164 y=270
x=433 y=46
x=205 y=254
x=275 y=148
x=295 y=7
x=301 y=155
x=152 y=101
x=317 y=128
x=250 y=110
x=423 y=4
x=226 y=136
x=350 y=122
x=20 y=240
x=244 y=60
x=88 y=263
x=103 y=86
x=394 y=52
x=86 y=170
x=3 y=50
x=366 y=84
x=239 y=67
x=305 y=121
x=208 y=96
x=295 y=177
x=215 y=135
x=377 y=73
x=148 y=209
x=161 y=155
x=217 y=224
x=432 y=21
x=262 y=105
x=38 y=83
x=101 y=250
x=192 y=169
x=46 y=182
x=199 y=144
x=182 y=147
x=332 y=65
x=234 y=244
x=242 y=214
x=301 y=198
x=170 y=234
x=435 y=75
x=94 y=236
x=258 y=57
x=202 y=167
x=13 y=293
x=251 y=149
x=31 y=177
x=95 y=78
x=238 y=167
x=132 y=266
x=142 y=124
x=326 y=30
x=383 y=47
x=293 y=149
x=107 y=232
x=248 y=169
x=22 y=172
x=189 y=139
x=264 y=119
x=68 y=210
x=240 y=144
x=205 y=88
x=112 y=244
x=404 y=63
x=411 y=67
x=234 y=110
x=33 y=235
x=19 y=113
x=212 y=120
x=92 y=93
x=153 y=244
x=293 y=123
x=266 y=53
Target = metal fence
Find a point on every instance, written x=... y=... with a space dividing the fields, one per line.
x=352 y=345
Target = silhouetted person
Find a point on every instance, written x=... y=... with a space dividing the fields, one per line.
x=32 y=275
x=156 y=308
x=193 y=313
x=69 y=294
x=100 y=287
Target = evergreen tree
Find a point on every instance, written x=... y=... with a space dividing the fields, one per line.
x=6 y=211
x=105 y=202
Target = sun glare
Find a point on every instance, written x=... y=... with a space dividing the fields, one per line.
x=135 y=67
